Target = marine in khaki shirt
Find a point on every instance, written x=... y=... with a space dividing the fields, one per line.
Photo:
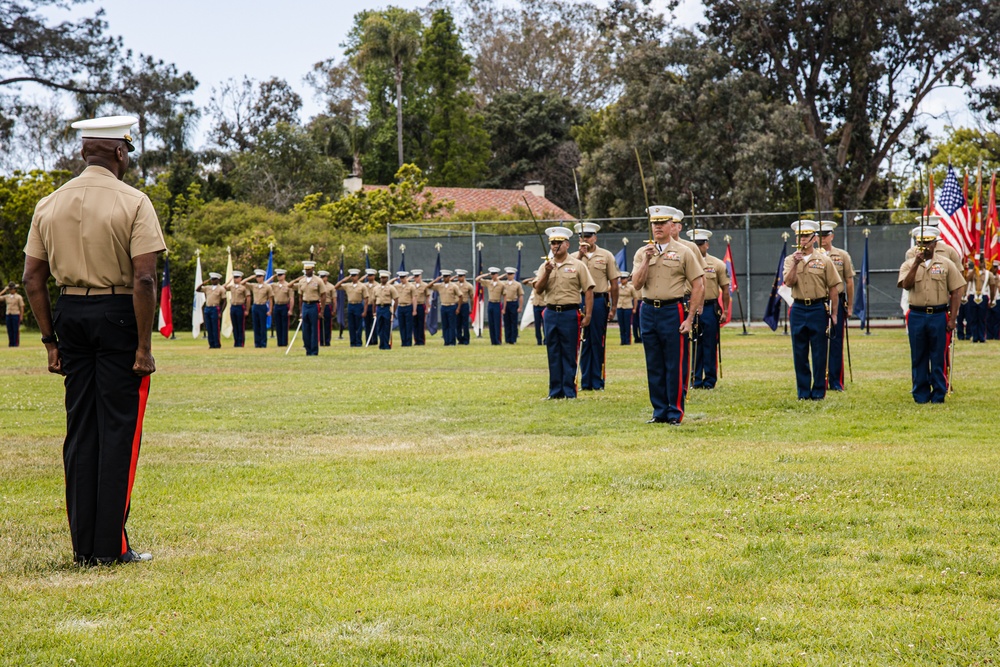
x=451 y=293
x=214 y=293
x=512 y=291
x=356 y=290
x=669 y=269
x=262 y=294
x=13 y=303
x=282 y=292
x=311 y=289
x=931 y=280
x=812 y=276
x=240 y=295
x=384 y=295
x=716 y=278
x=419 y=290
x=493 y=285
x=628 y=297
x=406 y=291
x=467 y=289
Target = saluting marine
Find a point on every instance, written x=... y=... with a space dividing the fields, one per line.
x=604 y=270
x=420 y=297
x=384 y=297
x=369 y=282
x=263 y=305
x=706 y=361
x=464 y=310
x=313 y=297
x=628 y=302
x=494 y=308
x=513 y=301
x=215 y=294
x=564 y=282
x=664 y=271
x=451 y=299
x=284 y=305
x=934 y=286
x=329 y=290
x=357 y=298
x=815 y=283
x=98 y=238
x=14 y=309
x=238 y=304
x=845 y=267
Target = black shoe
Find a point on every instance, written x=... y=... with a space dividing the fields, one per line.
x=674 y=422
x=657 y=420
x=132 y=556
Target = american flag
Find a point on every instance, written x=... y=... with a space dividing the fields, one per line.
x=956 y=221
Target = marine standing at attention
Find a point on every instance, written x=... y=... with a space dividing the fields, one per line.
x=663 y=270
x=14 y=306
x=406 y=308
x=468 y=294
x=384 y=298
x=513 y=302
x=604 y=270
x=845 y=267
x=815 y=285
x=706 y=361
x=313 y=297
x=238 y=304
x=451 y=299
x=564 y=283
x=357 y=296
x=263 y=305
x=215 y=294
x=284 y=305
x=628 y=303
x=99 y=335
x=420 y=297
x=329 y=289
x=494 y=307
x=934 y=285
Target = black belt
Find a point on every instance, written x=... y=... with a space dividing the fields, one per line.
x=811 y=302
x=304 y=301
x=710 y=302
x=660 y=303
x=930 y=310
x=563 y=308
x=600 y=294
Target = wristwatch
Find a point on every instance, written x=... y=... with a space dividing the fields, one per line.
x=49 y=339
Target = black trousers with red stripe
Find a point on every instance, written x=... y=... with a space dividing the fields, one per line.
x=105 y=402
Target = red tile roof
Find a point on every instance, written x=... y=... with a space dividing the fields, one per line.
x=475 y=200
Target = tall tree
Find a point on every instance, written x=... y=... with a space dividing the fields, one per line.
x=389 y=39
x=459 y=146
x=241 y=110
x=856 y=70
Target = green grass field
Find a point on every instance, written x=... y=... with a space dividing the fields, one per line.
x=424 y=506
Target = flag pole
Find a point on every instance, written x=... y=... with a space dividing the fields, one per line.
x=868 y=301
x=739 y=297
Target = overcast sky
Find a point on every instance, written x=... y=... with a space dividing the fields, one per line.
x=221 y=39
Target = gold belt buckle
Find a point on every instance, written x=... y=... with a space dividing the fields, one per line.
x=657 y=303
x=808 y=302
x=930 y=310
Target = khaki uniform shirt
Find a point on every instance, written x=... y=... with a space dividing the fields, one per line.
x=406 y=292
x=450 y=293
x=494 y=290
x=627 y=295
x=468 y=291
x=420 y=293
x=934 y=282
x=603 y=269
x=816 y=275
x=239 y=294
x=537 y=298
x=669 y=275
x=90 y=229
x=356 y=292
x=282 y=293
x=384 y=295
x=310 y=288
x=512 y=290
x=844 y=264
x=261 y=292
x=330 y=289
x=370 y=295
x=14 y=303
x=943 y=249
x=567 y=283
x=716 y=278
x=214 y=295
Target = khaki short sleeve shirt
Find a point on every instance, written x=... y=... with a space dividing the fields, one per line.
x=261 y=292
x=935 y=281
x=716 y=278
x=816 y=275
x=567 y=283
x=450 y=293
x=670 y=274
x=603 y=268
x=512 y=290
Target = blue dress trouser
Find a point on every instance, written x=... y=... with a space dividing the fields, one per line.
x=405 y=314
x=279 y=319
x=494 y=319
x=539 y=328
x=238 y=317
x=835 y=363
x=808 y=328
x=928 y=334
x=259 y=314
x=510 y=322
x=212 y=325
x=369 y=321
x=327 y=325
x=706 y=361
x=463 y=324
x=310 y=328
x=562 y=340
x=449 y=324
x=993 y=323
x=420 y=325
x=977 y=313
x=666 y=350
x=625 y=325
x=592 y=350
x=356 y=323
x=383 y=326
x=13 y=330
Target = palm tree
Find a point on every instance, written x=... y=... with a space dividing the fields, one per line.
x=391 y=38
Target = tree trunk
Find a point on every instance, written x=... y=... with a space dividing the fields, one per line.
x=399 y=111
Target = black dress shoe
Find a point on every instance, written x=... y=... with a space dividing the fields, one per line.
x=657 y=420
x=132 y=556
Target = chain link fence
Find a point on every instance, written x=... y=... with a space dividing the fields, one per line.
x=756 y=240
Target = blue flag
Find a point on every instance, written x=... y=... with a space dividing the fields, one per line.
x=860 y=303
x=773 y=311
x=432 y=314
x=268 y=275
x=341 y=299
x=621 y=260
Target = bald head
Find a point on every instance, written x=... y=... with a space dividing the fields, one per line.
x=112 y=154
